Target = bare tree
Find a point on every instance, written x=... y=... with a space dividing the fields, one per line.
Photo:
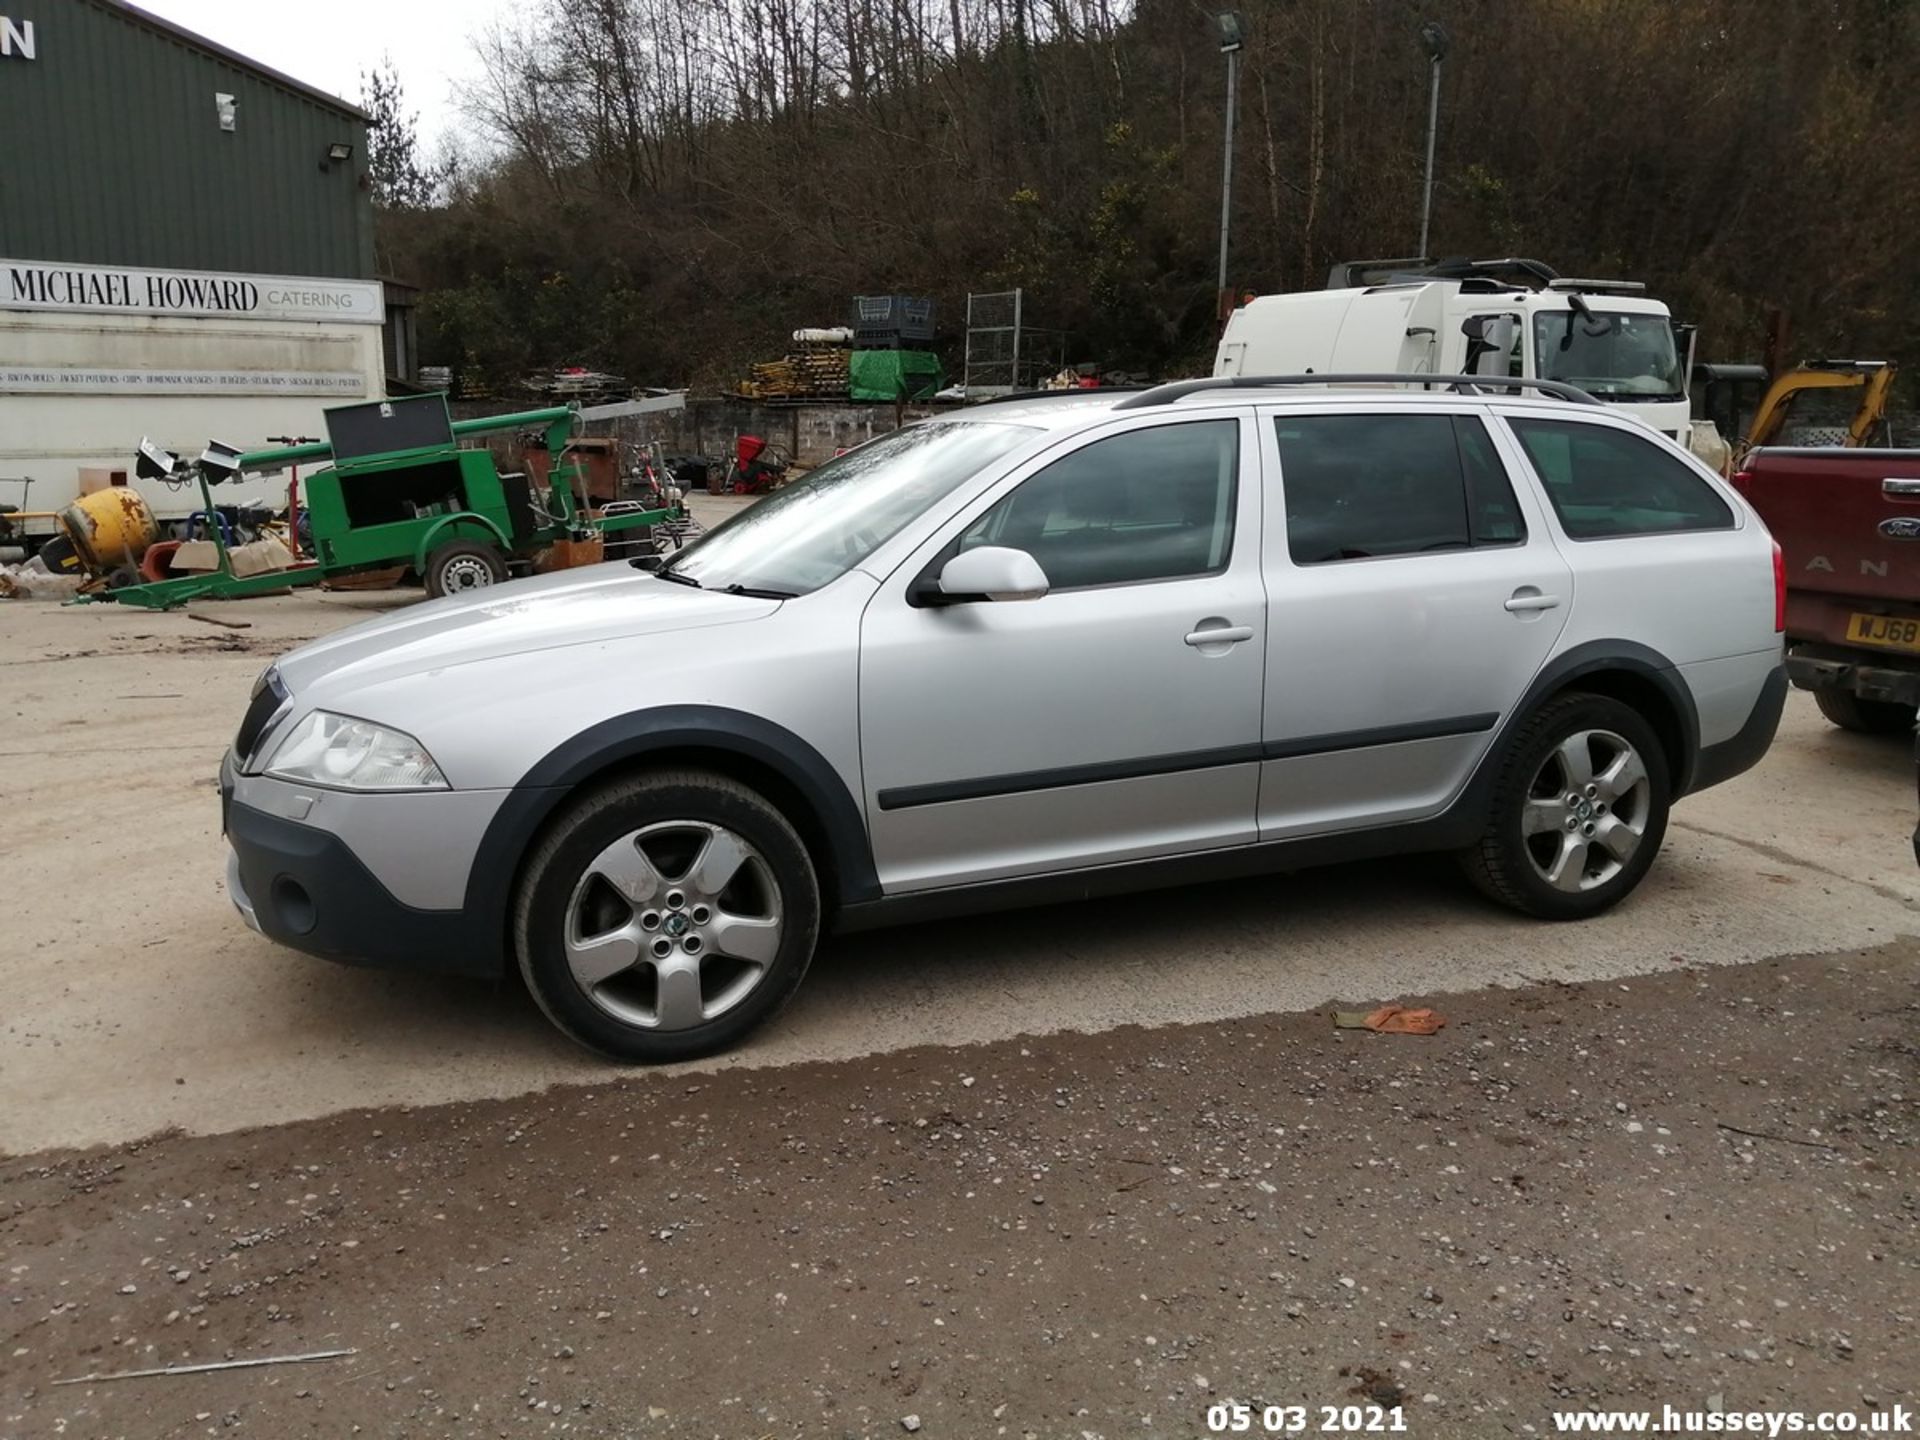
x=678 y=183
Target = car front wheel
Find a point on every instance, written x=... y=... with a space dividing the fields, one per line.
x=1579 y=810
x=665 y=915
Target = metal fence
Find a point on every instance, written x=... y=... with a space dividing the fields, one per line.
x=1004 y=353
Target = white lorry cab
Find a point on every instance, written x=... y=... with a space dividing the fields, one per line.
x=1512 y=317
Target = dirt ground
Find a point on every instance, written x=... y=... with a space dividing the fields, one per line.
x=1690 y=1184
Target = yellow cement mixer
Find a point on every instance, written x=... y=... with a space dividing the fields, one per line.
x=109 y=528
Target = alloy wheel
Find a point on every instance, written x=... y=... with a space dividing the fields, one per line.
x=1586 y=811
x=673 y=925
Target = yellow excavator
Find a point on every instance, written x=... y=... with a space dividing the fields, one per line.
x=1872 y=378
x=1726 y=388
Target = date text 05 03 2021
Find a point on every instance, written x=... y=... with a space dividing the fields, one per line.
x=1232 y=1416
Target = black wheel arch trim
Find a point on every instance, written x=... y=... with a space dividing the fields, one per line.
x=546 y=786
x=1561 y=672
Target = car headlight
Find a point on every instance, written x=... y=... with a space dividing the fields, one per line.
x=350 y=754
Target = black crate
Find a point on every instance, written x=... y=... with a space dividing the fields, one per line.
x=891 y=322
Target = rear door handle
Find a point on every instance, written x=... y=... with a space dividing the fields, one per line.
x=1521 y=602
x=1220 y=635
x=1901 y=487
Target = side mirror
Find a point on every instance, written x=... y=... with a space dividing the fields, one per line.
x=1490 y=341
x=991 y=572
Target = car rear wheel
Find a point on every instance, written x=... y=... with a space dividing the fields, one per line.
x=1579 y=810
x=463 y=565
x=664 y=916
x=1869 y=717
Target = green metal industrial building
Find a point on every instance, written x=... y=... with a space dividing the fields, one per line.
x=186 y=247
x=119 y=150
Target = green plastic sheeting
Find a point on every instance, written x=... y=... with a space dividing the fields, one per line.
x=893 y=374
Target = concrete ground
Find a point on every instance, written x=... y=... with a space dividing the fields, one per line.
x=137 y=1001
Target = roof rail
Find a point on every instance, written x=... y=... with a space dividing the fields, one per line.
x=1599 y=287
x=1457 y=384
x=1011 y=395
x=1349 y=273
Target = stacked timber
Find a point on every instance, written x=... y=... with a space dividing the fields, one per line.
x=813 y=373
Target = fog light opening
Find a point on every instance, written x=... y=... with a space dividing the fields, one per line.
x=293 y=905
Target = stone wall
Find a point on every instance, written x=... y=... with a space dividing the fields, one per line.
x=809 y=434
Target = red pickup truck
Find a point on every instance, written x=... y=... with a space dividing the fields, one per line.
x=1848 y=522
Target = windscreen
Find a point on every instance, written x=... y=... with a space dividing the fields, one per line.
x=820 y=526
x=1609 y=354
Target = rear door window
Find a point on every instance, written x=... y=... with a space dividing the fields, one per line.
x=1605 y=482
x=1362 y=487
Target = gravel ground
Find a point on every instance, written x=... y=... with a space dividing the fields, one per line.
x=1694 y=1183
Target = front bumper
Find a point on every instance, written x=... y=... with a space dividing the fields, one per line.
x=305 y=888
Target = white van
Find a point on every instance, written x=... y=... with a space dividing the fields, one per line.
x=1471 y=317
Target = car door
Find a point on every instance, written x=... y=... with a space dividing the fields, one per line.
x=1115 y=717
x=1414 y=591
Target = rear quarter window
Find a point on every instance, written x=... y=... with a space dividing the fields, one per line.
x=1604 y=482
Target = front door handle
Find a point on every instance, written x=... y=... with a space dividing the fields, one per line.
x=1526 y=599
x=1220 y=635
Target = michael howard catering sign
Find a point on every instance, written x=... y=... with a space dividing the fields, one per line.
x=115 y=290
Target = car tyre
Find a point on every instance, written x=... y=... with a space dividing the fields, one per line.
x=1579 y=810
x=463 y=565
x=718 y=868
x=1868 y=717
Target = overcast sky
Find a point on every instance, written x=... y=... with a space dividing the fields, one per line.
x=327 y=43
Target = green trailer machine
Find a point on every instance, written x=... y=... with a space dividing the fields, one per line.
x=401 y=491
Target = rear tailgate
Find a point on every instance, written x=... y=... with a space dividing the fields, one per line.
x=1849 y=522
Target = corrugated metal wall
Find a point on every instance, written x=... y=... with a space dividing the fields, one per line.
x=111 y=152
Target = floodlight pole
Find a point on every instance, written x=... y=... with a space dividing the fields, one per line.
x=1434 y=36
x=1433 y=124
x=1230 y=45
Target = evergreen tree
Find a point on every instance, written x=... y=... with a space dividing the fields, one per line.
x=401 y=181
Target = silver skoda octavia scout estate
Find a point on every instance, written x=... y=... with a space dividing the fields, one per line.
x=1035 y=650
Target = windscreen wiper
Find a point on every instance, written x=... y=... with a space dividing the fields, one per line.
x=757 y=592
x=677 y=578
